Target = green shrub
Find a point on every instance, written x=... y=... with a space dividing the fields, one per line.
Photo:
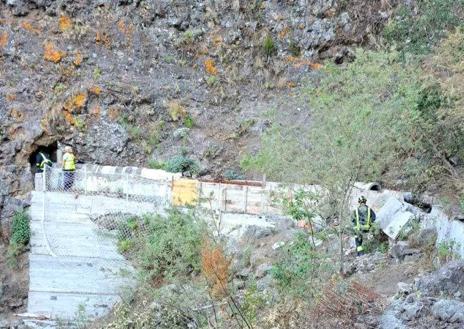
x=20 y=230
x=301 y=270
x=448 y=250
x=417 y=33
x=212 y=80
x=269 y=46
x=253 y=301
x=155 y=164
x=231 y=174
x=188 y=121
x=170 y=246
x=13 y=251
x=182 y=164
x=125 y=245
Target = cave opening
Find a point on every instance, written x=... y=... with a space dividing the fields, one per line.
x=50 y=151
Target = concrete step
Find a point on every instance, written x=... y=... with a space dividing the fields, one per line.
x=74 y=239
x=78 y=275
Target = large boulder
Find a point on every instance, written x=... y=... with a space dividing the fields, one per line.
x=449 y=310
x=448 y=281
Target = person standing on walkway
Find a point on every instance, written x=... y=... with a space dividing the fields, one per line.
x=69 y=167
x=363 y=218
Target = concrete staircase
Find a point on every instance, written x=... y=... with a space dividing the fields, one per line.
x=72 y=265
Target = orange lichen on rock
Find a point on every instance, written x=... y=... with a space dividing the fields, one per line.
x=52 y=54
x=95 y=90
x=217 y=40
x=10 y=97
x=113 y=113
x=64 y=23
x=95 y=111
x=76 y=101
x=17 y=115
x=28 y=27
x=284 y=32
x=69 y=118
x=78 y=58
x=299 y=62
x=80 y=99
x=3 y=39
x=210 y=67
x=102 y=38
x=124 y=28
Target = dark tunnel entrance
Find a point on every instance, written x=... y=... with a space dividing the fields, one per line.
x=50 y=151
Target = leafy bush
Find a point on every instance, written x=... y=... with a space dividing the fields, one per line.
x=20 y=230
x=301 y=269
x=231 y=174
x=170 y=246
x=417 y=33
x=155 y=164
x=189 y=122
x=253 y=301
x=182 y=164
x=20 y=236
x=447 y=251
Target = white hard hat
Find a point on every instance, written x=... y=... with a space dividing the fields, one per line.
x=68 y=149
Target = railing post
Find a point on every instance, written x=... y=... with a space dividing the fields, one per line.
x=85 y=180
x=126 y=187
x=44 y=178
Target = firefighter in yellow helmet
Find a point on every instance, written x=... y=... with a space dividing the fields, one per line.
x=69 y=166
x=363 y=218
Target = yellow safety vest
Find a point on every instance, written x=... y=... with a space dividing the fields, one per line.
x=69 y=162
x=367 y=225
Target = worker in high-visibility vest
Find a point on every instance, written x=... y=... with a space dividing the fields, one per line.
x=363 y=218
x=69 y=166
x=41 y=161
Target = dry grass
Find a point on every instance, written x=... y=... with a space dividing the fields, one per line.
x=176 y=110
x=341 y=302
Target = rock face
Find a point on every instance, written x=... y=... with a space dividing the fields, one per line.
x=115 y=79
x=435 y=301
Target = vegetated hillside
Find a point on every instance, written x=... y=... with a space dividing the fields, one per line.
x=129 y=81
x=140 y=82
x=126 y=82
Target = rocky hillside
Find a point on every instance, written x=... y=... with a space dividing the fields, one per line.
x=139 y=82
x=129 y=81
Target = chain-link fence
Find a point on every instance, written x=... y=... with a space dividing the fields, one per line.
x=86 y=213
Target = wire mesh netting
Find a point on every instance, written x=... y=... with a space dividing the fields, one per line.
x=89 y=214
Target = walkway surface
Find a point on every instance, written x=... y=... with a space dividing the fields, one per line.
x=73 y=266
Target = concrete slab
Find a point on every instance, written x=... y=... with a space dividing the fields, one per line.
x=78 y=275
x=393 y=216
x=67 y=306
x=74 y=239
